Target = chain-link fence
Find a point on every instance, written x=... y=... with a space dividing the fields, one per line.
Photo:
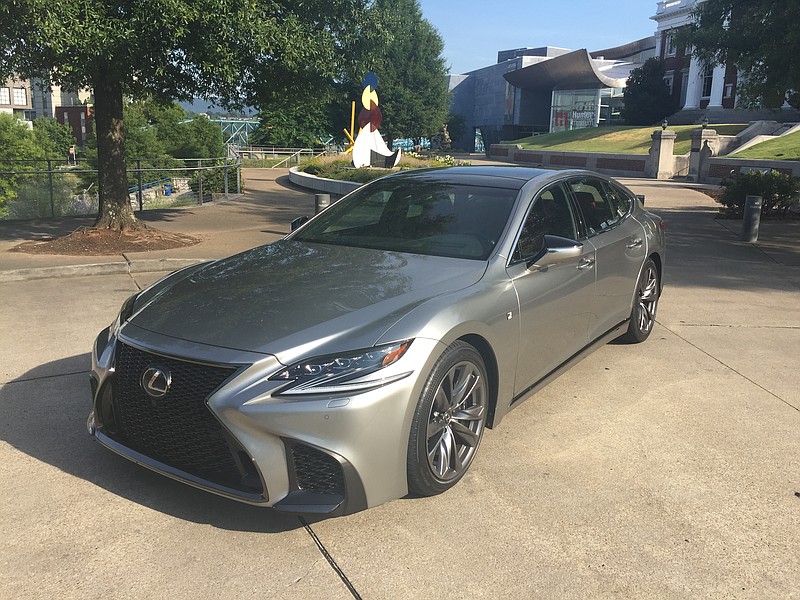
x=42 y=189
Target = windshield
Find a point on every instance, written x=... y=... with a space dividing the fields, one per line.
x=418 y=216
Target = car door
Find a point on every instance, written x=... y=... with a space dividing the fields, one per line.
x=619 y=241
x=554 y=301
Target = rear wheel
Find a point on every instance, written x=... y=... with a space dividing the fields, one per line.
x=448 y=422
x=643 y=314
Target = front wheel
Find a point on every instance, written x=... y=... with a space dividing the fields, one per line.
x=643 y=314
x=448 y=422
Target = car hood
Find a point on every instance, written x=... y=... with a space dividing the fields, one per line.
x=294 y=299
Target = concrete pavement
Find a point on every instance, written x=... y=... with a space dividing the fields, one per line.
x=666 y=470
x=261 y=215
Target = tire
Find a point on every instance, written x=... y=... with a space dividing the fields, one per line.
x=448 y=422
x=643 y=313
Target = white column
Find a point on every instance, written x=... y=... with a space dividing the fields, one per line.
x=692 y=93
x=717 y=87
x=597 y=103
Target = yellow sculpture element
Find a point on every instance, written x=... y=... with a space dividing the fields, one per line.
x=351 y=133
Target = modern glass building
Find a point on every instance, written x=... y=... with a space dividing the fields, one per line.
x=539 y=90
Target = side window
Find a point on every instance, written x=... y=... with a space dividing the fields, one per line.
x=550 y=214
x=598 y=212
x=621 y=201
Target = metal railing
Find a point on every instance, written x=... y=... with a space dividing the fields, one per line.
x=284 y=156
x=32 y=191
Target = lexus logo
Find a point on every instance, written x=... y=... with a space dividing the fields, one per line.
x=156 y=381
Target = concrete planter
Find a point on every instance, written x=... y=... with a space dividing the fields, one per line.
x=320 y=184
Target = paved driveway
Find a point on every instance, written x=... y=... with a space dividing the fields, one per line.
x=666 y=470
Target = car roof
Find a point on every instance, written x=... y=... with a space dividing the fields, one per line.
x=501 y=176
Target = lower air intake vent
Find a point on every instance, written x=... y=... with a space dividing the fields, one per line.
x=316 y=471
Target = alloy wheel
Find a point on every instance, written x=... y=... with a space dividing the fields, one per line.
x=648 y=299
x=456 y=421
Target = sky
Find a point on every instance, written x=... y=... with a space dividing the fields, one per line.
x=474 y=30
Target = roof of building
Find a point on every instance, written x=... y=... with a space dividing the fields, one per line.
x=575 y=70
x=626 y=50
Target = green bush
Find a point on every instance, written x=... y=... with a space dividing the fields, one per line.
x=342 y=170
x=214 y=180
x=33 y=199
x=779 y=192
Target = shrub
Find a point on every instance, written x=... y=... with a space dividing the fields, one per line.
x=778 y=190
x=214 y=180
x=341 y=168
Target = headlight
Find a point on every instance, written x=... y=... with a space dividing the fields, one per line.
x=346 y=372
x=124 y=313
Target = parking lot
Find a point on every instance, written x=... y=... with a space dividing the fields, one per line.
x=665 y=470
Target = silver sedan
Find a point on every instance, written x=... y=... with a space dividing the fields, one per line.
x=361 y=357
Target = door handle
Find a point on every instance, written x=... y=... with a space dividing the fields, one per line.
x=586 y=263
x=635 y=243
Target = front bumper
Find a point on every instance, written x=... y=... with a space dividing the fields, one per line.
x=321 y=454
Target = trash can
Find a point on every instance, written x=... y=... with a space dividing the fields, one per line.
x=752 y=218
x=167 y=189
x=321 y=202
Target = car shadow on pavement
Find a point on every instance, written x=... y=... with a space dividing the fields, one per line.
x=707 y=252
x=43 y=415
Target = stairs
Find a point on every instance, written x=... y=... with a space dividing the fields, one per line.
x=695 y=116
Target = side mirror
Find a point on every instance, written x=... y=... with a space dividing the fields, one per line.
x=641 y=198
x=298 y=222
x=557 y=250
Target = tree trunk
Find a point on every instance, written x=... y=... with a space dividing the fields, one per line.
x=112 y=181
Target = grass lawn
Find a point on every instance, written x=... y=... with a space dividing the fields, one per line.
x=618 y=139
x=786 y=147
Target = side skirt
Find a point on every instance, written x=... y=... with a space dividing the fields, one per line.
x=612 y=334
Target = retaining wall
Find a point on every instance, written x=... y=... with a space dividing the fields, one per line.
x=321 y=184
x=720 y=168
x=619 y=165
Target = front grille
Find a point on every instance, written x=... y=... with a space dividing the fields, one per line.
x=318 y=472
x=178 y=429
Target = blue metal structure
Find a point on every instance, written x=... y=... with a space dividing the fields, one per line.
x=237 y=131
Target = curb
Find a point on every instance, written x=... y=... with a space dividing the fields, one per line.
x=114 y=268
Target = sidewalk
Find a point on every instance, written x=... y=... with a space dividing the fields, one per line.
x=261 y=215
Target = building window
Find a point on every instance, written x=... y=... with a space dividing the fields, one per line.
x=5 y=95
x=669 y=78
x=20 y=96
x=30 y=115
x=728 y=90
x=670 y=49
x=708 y=79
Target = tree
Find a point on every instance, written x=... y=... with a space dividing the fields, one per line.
x=647 y=96
x=53 y=136
x=389 y=37
x=456 y=126
x=319 y=102
x=156 y=129
x=412 y=74
x=294 y=124
x=760 y=37
x=25 y=151
x=168 y=49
